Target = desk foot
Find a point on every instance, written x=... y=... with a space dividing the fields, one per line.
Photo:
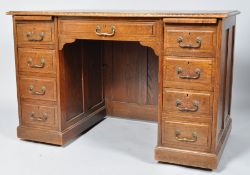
x=193 y=158
x=61 y=137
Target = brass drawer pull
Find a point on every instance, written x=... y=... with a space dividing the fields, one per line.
x=41 y=65
x=195 y=46
x=184 y=139
x=99 y=33
x=42 y=92
x=31 y=38
x=197 y=72
x=41 y=119
x=185 y=109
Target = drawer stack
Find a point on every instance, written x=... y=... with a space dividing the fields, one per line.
x=36 y=76
x=189 y=51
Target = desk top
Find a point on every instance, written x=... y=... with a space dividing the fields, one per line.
x=124 y=13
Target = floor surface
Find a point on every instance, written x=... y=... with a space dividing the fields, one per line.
x=113 y=147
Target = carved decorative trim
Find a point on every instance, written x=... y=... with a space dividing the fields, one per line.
x=65 y=41
x=154 y=45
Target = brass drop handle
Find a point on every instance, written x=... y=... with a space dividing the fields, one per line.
x=180 y=107
x=42 y=91
x=31 y=37
x=184 y=139
x=194 y=46
x=99 y=33
x=180 y=71
x=41 y=65
x=41 y=119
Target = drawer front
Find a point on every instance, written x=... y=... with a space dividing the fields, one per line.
x=107 y=29
x=38 y=116
x=186 y=136
x=190 y=40
x=36 y=88
x=184 y=73
x=36 y=60
x=187 y=103
x=35 y=33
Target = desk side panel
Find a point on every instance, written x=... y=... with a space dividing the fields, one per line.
x=222 y=103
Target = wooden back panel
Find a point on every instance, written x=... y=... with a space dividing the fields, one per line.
x=130 y=72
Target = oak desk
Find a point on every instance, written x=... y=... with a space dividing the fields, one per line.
x=176 y=68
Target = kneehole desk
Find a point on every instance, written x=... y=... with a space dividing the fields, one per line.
x=176 y=68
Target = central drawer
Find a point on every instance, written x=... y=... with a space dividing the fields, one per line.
x=108 y=29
